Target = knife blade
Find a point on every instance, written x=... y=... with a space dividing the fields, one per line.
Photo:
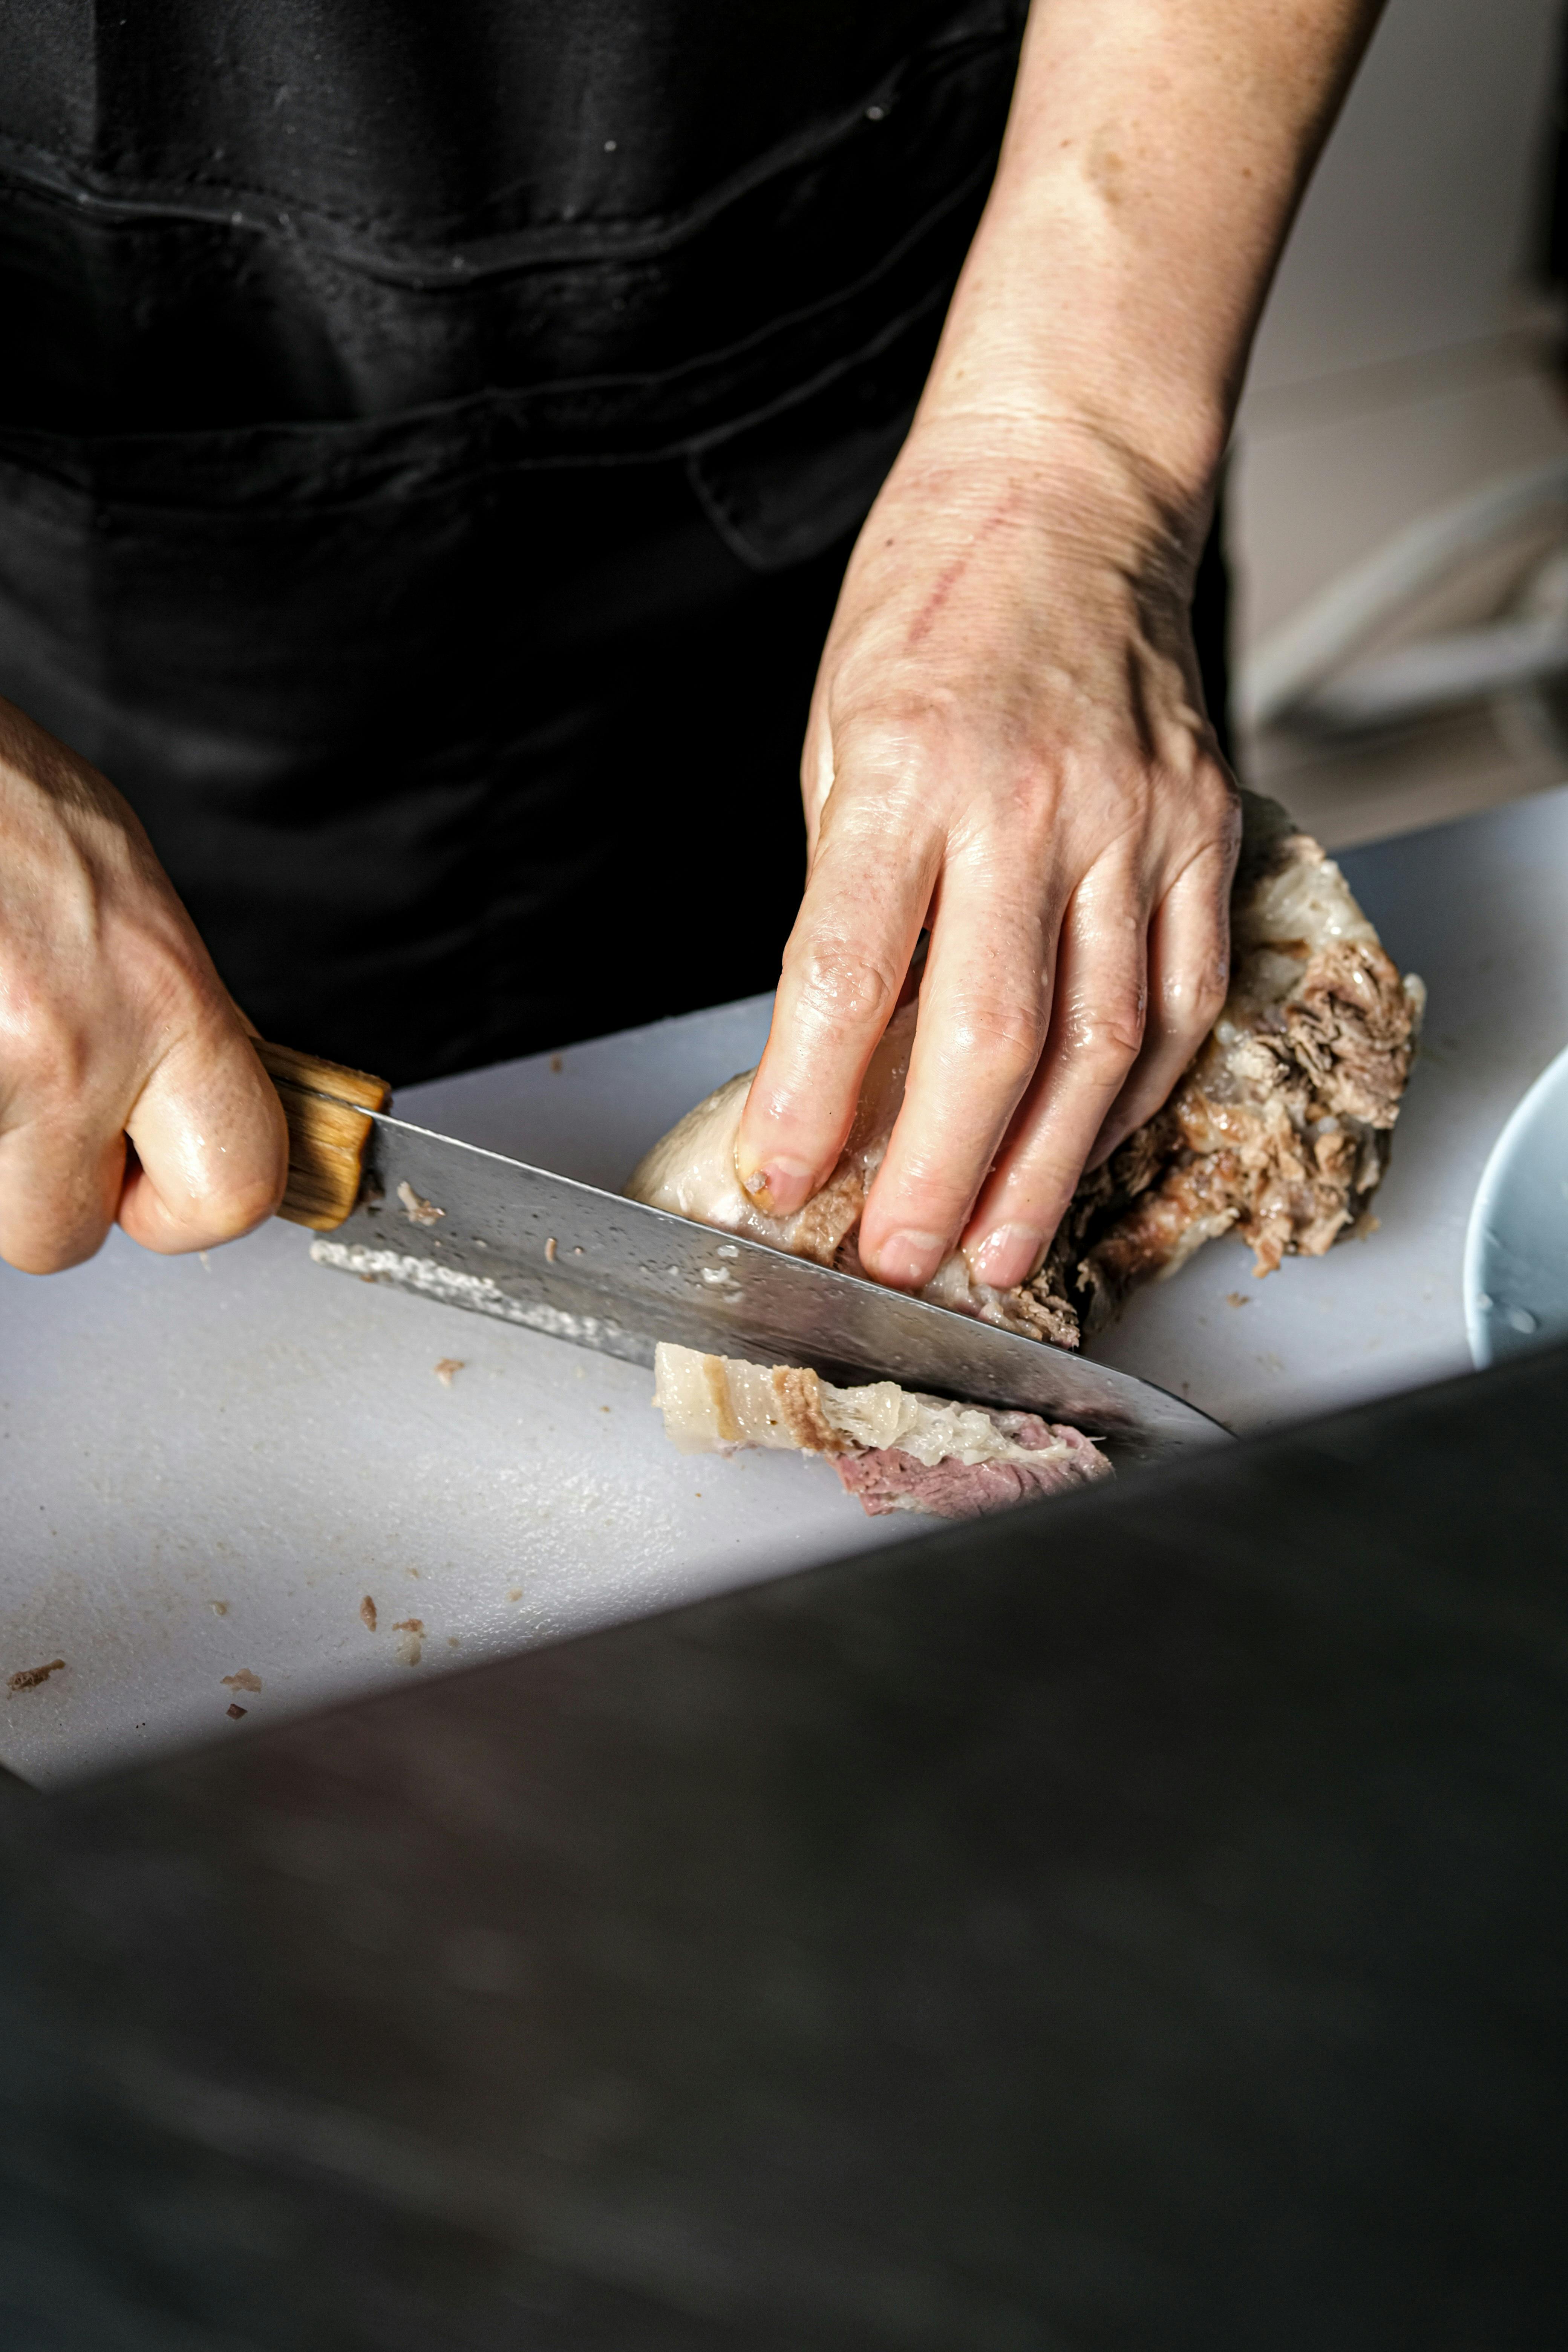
x=449 y=1221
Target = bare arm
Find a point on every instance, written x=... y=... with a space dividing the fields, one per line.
x=1007 y=742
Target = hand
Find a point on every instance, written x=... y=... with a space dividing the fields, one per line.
x=112 y=1024
x=1008 y=745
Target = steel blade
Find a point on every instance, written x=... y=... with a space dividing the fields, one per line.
x=493 y=1234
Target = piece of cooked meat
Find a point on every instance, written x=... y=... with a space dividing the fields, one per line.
x=893 y=1448
x=888 y=1479
x=1280 y=1129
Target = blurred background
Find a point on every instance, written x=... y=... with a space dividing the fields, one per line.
x=1399 y=488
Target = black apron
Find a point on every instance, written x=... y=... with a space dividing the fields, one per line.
x=430 y=442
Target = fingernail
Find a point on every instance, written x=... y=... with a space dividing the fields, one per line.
x=907 y=1260
x=778 y=1186
x=1008 y=1255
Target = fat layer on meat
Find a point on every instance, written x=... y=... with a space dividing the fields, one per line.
x=1279 y=1130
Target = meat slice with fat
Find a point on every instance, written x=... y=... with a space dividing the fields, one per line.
x=893 y=1448
x=1279 y=1130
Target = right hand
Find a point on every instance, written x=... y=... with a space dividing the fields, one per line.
x=113 y=1025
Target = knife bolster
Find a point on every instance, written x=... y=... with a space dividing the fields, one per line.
x=328 y=1109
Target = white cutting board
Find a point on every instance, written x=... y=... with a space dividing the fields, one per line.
x=205 y=1468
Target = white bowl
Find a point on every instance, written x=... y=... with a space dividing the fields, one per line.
x=1515 y=1251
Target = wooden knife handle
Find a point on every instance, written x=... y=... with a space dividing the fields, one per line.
x=326 y=1106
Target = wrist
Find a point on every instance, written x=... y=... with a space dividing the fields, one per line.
x=1059 y=472
x=1077 y=376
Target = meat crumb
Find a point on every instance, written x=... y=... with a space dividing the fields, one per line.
x=236 y=1711
x=245 y=1680
x=447 y=1367
x=28 y=1677
x=411 y=1649
x=420 y=1212
x=550 y=1251
x=367 y=1614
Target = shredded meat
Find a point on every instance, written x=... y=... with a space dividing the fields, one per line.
x=1350 y=1031
x=829 y=1215
x=1280 y=1131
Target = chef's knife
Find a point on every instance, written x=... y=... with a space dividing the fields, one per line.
x=393 y=1202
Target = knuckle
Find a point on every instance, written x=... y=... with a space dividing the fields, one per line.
x=245 y=1205
x=1211 y=988
x=899 y=731
x=44 y=1053
x=887 y=767
x=1218 y=799
x=1193 y=997
x=172 y=996
x=55 y=1211
x=1005 y=1035
x=231 y=1216
x=54 y=1253
x=1103 y=1042
x=843 y=986
x=231 y=1202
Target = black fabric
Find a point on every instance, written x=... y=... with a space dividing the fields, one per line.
x=433 y=456
x=228 y=211
x=433 y=443
x=490 y=764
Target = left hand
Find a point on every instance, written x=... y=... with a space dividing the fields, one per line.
x=1008 y=745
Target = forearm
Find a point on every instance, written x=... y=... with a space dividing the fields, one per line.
x=1154 y=158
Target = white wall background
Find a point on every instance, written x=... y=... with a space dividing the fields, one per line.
x=1396 y=370
x=1414 y=231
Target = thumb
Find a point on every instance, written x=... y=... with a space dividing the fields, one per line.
x=211 y=1141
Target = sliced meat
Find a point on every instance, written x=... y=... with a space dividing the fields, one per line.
x=897 y=1450
x=887 y=1480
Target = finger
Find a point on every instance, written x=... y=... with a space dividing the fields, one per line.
x=210 y=1142
x=816 y=761
x=59 y=1182
x=865 y=901
x=984 y=1005
x=1189 y=974
x=1096 y=1035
